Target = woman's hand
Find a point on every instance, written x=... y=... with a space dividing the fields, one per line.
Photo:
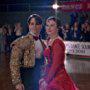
x=41 y=80
x=42 y=84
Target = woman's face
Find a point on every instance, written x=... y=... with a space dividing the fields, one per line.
x=51 y=27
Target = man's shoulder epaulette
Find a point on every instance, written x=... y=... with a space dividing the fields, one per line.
x=22 y=41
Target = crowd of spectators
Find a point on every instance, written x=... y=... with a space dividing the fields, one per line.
x=9 y=34
x=76 y=30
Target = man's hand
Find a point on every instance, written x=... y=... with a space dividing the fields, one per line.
x=20 y=87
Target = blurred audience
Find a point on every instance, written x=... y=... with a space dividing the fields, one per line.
x=77 y=30
x=18 y=30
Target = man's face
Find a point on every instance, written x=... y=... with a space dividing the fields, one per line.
x=34 y=27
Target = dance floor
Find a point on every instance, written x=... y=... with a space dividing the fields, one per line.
x=78 y=69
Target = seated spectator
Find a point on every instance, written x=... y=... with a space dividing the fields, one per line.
x=87 y=34
x=18 y=30
x=83 y=18
x=5 y=37
x=1 y=41
x=76 y=32
x=67 y=32
x=61 y=31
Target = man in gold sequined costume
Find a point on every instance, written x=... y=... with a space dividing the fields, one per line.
x=26 y=57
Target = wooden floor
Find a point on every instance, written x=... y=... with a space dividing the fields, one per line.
x=79 y=70
x=5 y=78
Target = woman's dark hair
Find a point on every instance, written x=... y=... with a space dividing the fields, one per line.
x=57 y=20
x=37 y=17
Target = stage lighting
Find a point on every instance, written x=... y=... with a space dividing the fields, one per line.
x=55 y=6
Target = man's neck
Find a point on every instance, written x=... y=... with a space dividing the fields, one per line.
x=34 y=34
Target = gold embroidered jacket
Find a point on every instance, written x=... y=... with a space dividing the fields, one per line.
x=22 y=55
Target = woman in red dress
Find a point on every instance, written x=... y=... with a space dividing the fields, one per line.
x=55 y=76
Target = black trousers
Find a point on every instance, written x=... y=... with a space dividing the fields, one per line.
x=31 y=76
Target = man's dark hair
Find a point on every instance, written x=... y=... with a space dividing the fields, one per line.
x=37 y=17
